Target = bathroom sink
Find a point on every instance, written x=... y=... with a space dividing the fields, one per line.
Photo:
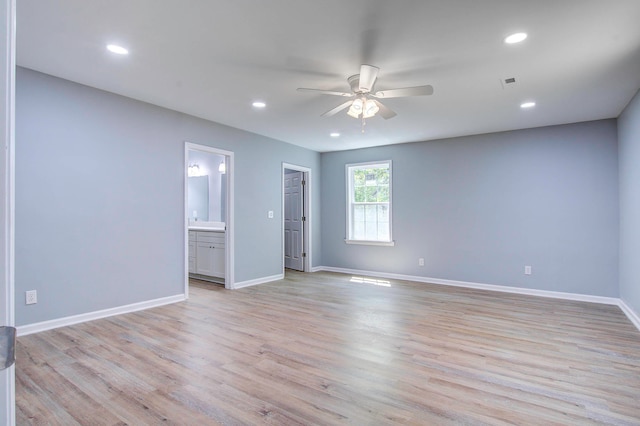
x=201 y=225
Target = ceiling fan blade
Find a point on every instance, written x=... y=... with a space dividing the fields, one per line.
x=384 y=112
x=337 y=109
x=406 y=91
x=368 y=75
x=325 y=92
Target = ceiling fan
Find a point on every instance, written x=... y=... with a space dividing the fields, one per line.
x=363 y=101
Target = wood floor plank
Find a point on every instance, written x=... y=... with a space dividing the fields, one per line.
x=328 y=348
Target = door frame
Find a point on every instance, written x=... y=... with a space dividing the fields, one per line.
x=7 y=205
x=229 y=280
x=306 y=212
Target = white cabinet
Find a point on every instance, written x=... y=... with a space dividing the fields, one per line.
x=207 y=253
x=218 y=261
x=204 y=258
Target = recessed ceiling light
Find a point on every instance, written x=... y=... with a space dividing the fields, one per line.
x=334 y=135
x=528 y=105
x=515 y=38
x=119 y=50
x=259 y=104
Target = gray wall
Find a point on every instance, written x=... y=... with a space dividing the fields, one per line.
x=100 y=198
x=480 y=208
x=91 y=165
x=629 y=159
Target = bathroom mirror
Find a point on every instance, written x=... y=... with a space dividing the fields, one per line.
x=198 y=197
x=206 y=186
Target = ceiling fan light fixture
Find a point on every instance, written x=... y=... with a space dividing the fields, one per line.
x=356 y=108
x=370 y=109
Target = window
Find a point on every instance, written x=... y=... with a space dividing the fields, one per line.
x=369 y=203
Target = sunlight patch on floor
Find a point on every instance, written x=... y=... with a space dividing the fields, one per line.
x=372 y=281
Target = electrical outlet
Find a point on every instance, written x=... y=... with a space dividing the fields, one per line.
x=527 y=270
x=270 y=214
x=31 y=297
x=421 y=261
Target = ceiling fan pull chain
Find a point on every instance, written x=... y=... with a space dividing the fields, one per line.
x=363 y=123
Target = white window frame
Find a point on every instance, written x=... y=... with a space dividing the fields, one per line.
x=350 y=191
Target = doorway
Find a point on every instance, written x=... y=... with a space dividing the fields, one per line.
x=296 y=217
x=208 y=215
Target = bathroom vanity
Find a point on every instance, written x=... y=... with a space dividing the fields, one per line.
x=207 y=250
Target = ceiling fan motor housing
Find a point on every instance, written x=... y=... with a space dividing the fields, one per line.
x=354 y=82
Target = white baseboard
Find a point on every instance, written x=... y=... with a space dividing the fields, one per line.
x=75 y=319
x=630 y=313
x=480 y=286
x=24 y=330
x=257 y=281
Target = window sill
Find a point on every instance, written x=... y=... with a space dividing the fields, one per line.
x=371 y=243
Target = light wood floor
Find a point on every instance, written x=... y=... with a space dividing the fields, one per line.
x=325 y=349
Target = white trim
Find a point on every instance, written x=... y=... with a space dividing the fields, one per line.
x=229 y=278
x=306 y=244
x=186 y=221
x=370 y=243
x=480 y=286
x=257 y=281
x=7 y=285
x=37 y=327
x=230 y=271
x=630 y=313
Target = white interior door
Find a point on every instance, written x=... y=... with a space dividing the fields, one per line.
x=293 y=222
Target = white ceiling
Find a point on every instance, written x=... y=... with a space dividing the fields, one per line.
x=212 y=58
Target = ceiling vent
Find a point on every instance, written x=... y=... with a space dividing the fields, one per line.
x=508 y=82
